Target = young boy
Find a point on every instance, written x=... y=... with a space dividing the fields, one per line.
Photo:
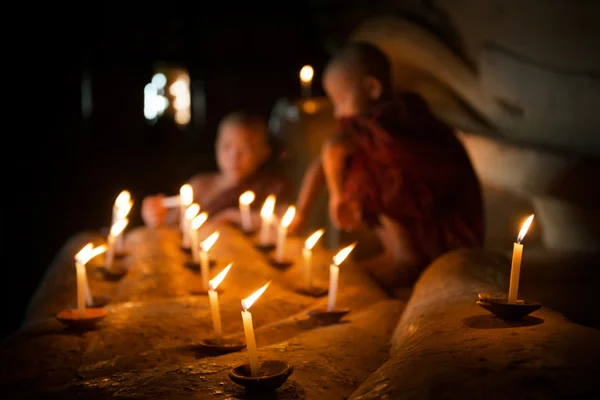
x=392 y=166
x=242 y=150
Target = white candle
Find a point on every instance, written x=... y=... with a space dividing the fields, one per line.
x=85 y=254
x=205 y=247
x=121 y=201
x=249 y=329
x=115 y=231
x=80 y=289
x=213 y=297
x=194 y=226
x=334 y=273
x=266 y=215
x=122 y=213
x=89 y=299
x=189 y=214
x=282 y=233
x=307 y=256
x=515 y=269
x=306 y=77
x=186 y=198
x=245 y=201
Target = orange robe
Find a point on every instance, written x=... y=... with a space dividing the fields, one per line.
x=410 y=166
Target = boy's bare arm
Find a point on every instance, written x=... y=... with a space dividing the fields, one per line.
x=335 y=152
x=312 y=183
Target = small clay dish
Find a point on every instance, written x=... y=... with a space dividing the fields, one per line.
x=499 y=306
x=281 y=264
x=245 y=232
x=186 y=249
x=226 y=345
x=194 y=266
x=324 y=317
x=97 y=302
x=115 y=273
x=313 y=291
x=265 y=248
x=90 y=317
x=271 y=375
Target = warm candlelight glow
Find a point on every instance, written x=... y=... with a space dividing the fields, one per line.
x=216 y=281
x=248 y=301
x=210 y=241
x=524 y=228
x=266 y=212
x=88 y=252
x=123 y=199
x=124 y=210
x=199 y=220
x=83 y=253
x=313 y=239
x=247 y=197
x=186 y=195
x=342 y=254
x=288 y=217
x=306 y=74
x=192 y=211
x=118 y=227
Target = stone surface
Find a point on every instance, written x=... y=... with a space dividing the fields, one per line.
x=445 y=346
x=148 y=344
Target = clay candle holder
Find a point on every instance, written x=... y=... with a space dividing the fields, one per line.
x=326 y=317
x=194 y=266
x=272 y=374
x=282 y=264
x=313 y=291
x=115 y=273
x=498 y=305
x=226 y=345
x=90 y=317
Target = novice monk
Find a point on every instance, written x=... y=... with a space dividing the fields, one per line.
x=242 y=149
x=395 y=167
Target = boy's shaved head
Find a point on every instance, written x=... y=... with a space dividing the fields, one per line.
x=252 y=122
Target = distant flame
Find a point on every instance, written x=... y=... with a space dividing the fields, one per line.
x=118 y=227
x=84 y=252
x=524 y=228
x=288 y=217
x=247 y=197
x=209 y=241
x=186 y=195
x=306 y=74
x=269 y=205
x=192 y=211
x=216 y=281
x=342 y=254
x=199 y=220
x=122 y=199
x=88 y=252
x=312 y=239
x=124 y=210
x=97 y=251
x=248 y=301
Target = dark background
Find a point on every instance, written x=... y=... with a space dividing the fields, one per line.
x=62 y=171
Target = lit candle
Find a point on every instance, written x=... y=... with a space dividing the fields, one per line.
x=186 y=198
x=249 y=328
x=307 y=256
x=266 y=215
x=115 y=231
x=306 y=77
x=246 y=199
x=121 y=201
x=282 y=233
x=334 y=273
x=122 y=213
x=515 y=269
x=84 y=294
x=213 y=297
x=189 y=214
x=205 y=259
x=194 y=226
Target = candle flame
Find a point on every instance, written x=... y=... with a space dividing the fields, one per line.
x=186 y=194
x=118 y=227
x=306 y=74
x=216 y=281
x=524 y=228
x=288 y=217
x=199 y=220
x=248 y=301
x=192 y=211
x=124 y=210
x=122 y=199
x=312 y=239
x=247 y=197
x=269 y=205
x=342 y=254
x=210 y=241
x=88 y=252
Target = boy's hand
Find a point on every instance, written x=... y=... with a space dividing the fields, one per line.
x=344 y=214
x=153 y=210
x=297 y=223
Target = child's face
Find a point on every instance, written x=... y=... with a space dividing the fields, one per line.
x=346 y=92
x=240 y=152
